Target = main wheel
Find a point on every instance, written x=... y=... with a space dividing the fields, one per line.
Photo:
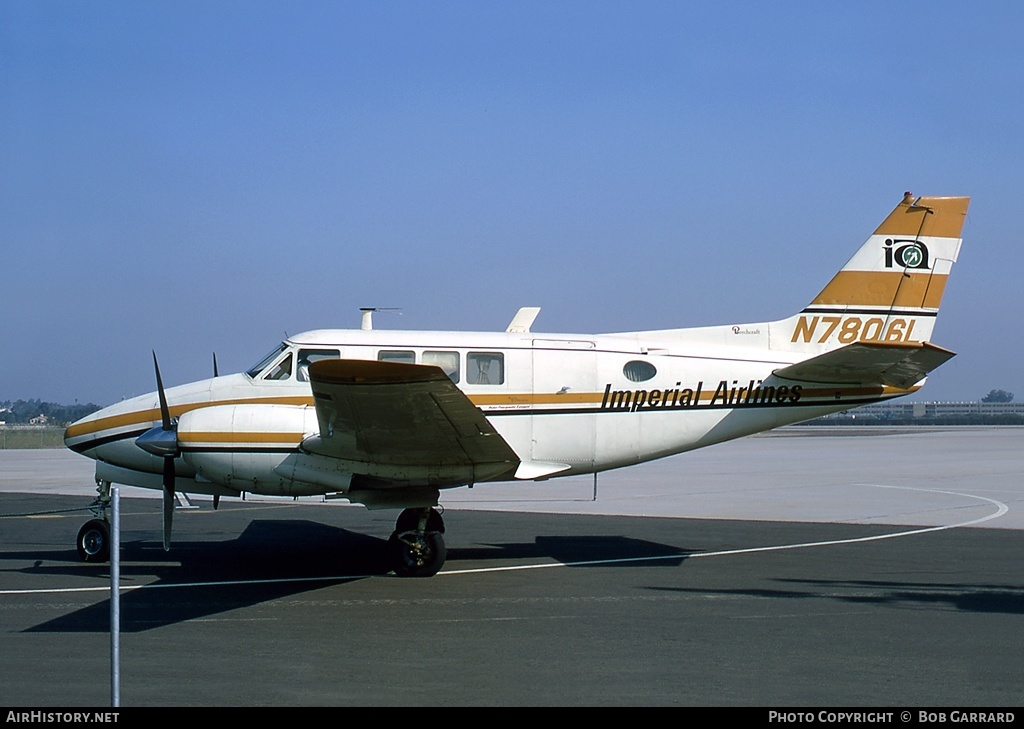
x=94 y=541
x=409 y=521
x=418 y=554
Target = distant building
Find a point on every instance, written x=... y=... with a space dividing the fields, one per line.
x=922 y=410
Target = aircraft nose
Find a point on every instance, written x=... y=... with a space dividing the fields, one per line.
x=74 y=436
x=81 y=434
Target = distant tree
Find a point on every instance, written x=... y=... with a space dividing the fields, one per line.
x=18 y=412
x=998 y=396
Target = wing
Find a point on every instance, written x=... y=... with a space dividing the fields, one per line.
x=403 y=423
x=871 y=363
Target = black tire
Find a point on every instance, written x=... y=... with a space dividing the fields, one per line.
x=94 y=541
x=418 y=555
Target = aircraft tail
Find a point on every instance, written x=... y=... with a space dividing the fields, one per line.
x=890 y=291
x=872 y=324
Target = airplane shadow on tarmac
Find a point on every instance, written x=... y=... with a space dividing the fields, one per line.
x=274 y=559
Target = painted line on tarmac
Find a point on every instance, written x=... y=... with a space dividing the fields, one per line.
x=1001 y=509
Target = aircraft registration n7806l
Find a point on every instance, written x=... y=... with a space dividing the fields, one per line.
x=390 y=419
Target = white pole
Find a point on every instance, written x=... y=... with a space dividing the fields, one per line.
x=115 y=597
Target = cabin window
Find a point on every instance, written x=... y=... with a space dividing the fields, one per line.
x=447 y=361
x=639 y=371
x=397 y=355
x=255 y=370
x=281 y=371
x=485 y=368
x=309 y=356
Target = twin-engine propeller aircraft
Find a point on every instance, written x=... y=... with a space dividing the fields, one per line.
x=388 y=419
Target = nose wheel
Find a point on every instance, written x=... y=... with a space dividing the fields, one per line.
x=94 y=541
x=418 y=543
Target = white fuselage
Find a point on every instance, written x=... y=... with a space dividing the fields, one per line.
x=566 y=404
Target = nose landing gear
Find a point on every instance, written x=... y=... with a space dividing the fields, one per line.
x=94 y=537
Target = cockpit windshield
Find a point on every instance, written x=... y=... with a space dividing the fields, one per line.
x=255 y=370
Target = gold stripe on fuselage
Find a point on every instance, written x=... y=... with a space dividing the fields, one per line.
x=542 y=398
x=248 y=437
x=152 y=415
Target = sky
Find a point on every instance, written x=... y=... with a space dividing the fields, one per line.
x=199 y=177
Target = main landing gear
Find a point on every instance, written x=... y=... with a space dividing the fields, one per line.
x=418 y=543
x=94 y=537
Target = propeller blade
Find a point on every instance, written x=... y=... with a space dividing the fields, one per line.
x=165 y=413
x=160 y=440
x=215 y=373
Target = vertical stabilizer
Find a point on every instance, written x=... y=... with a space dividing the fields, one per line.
x=891 y=289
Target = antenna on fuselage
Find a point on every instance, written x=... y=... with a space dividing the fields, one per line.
x=367 y=323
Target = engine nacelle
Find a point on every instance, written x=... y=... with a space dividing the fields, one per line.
x=250 y=447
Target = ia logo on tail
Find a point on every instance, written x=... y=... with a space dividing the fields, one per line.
x=905 y=253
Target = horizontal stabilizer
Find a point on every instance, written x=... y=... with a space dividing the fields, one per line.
x=871 y=363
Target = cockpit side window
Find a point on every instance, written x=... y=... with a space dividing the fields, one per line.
x=309 y=356
x=281 y=371
x=257 y=368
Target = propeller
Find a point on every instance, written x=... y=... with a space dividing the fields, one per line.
x=162 y=440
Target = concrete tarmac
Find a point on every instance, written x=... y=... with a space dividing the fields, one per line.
x=808 y=568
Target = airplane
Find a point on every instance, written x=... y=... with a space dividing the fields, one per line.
x=390 y=419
